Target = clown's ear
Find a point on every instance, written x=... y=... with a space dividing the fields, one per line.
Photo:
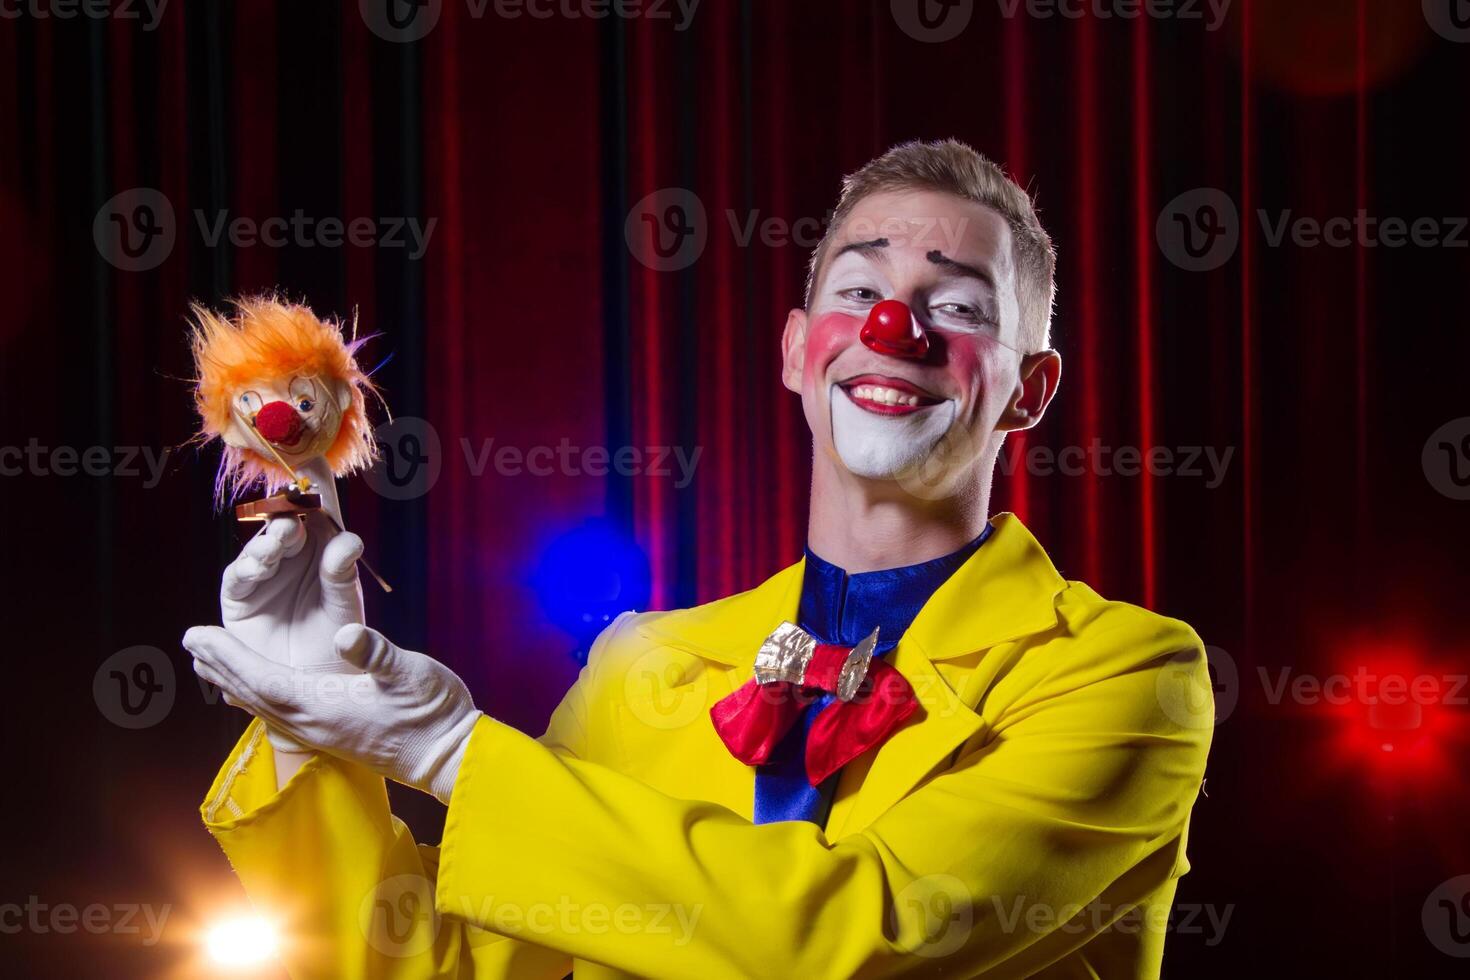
x=344 y=395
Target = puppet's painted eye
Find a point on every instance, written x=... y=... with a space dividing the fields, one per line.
x=303 y=394
x=250 y=402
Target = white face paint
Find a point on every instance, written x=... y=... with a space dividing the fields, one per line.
x=880 y=447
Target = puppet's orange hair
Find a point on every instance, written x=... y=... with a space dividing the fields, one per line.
x=270 y=339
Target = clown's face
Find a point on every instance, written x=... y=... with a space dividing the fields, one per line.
x=298 y=416
x=943 y=403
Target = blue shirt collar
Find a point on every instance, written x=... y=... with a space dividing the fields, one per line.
x=840 y=608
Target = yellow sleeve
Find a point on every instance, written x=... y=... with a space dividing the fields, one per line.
x=341 y=877
x=1068 y=814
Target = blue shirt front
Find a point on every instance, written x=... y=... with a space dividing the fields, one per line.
x=840 y=608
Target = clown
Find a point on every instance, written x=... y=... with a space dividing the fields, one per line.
x=916 y=751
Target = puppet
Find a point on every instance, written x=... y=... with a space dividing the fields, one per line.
x=282 y=390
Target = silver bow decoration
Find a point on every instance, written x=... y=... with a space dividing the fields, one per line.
x=787 y=652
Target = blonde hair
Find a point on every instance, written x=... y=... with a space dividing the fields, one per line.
x=952 y=167
x=270 y=339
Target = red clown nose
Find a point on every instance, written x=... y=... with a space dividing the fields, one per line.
x=278 y=422
x=892 y=330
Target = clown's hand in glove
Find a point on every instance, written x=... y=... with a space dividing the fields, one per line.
x=294 y=653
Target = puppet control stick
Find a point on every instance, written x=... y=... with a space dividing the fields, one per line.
x=298 y=496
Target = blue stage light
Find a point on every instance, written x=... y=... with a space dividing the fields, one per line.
x=587 y=576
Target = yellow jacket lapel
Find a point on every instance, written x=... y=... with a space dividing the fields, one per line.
x=1007 y=590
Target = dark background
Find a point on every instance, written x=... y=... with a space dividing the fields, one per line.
x=531 y=319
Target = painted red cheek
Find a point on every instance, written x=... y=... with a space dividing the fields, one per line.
x=278 y=422
x=827 y=336
x=892 y=331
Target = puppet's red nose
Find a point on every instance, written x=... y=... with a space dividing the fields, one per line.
x=278 y=422
x=892 y=330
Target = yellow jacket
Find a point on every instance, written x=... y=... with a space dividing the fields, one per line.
x=1029 y=820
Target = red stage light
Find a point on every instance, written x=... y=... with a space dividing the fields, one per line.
x=1398 y=712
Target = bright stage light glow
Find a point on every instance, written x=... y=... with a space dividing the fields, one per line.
x=246 y=941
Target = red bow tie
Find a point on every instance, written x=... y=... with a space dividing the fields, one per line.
x=873 y=699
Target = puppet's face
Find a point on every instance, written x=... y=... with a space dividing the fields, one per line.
x=879 y=411
x=298 y=416
x=279 y=386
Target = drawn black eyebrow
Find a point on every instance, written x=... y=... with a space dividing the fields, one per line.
x=939 y=258
x=866 y=248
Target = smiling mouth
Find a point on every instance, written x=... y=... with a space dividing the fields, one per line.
x=884 y=395
x=295 y=445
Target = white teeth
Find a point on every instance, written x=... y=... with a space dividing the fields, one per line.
x=884 y=395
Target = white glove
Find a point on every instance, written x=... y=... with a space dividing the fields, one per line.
x=292 y=587
x=406 y=716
